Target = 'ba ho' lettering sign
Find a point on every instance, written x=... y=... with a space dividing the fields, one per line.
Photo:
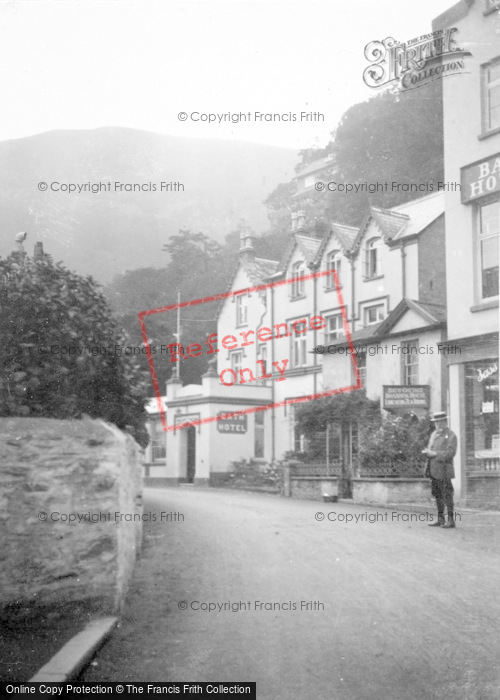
x=480 y=179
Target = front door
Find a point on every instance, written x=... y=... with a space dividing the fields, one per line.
x=191 y=453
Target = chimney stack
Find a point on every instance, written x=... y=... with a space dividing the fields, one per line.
x=246 y=252
x=301 y=221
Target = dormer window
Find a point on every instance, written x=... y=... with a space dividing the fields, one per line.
x=372 y=261
x=333 y=261
x=297 y=286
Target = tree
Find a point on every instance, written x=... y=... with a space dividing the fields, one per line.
x=385 y=139
x=62 y=353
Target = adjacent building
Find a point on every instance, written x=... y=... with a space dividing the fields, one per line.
x=471 y=107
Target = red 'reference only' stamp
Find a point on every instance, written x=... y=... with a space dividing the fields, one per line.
x=229 y=376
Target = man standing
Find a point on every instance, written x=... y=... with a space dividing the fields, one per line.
x=440 y=452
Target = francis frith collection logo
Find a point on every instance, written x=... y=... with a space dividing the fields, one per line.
x=415 y=63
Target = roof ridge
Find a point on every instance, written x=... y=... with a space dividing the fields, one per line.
x=419 y=199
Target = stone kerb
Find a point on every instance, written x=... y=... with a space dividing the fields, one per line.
x=70 y=514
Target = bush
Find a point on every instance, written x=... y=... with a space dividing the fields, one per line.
x=397 y=443
x=61 y=352
x=256 y=475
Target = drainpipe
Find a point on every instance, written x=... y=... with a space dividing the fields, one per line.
x=273 y=398
x=403 y=268
x=353 y=296
x=315 y=311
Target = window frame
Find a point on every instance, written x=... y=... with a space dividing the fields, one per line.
x=486 y=128
x=478 y=246
x=361 y=368
x=410 y=369
x=339 y=333
x=259 y=434
x=241 y=305
x=367 y=308
x=261 y=354
x=232 y=363
x=297 y=288
x=372 y=246
x=333 y=262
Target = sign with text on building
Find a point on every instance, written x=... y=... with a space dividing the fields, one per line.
x=226 y=423
x=401 y=396
x=480 y=179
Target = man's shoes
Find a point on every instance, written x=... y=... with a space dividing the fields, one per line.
x=449 y=524
x=439 y=523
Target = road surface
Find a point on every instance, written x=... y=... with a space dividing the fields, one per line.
x=310 y=608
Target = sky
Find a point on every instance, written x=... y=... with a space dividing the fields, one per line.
x=71 y=64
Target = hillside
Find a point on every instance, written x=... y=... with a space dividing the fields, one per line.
x=107 y=232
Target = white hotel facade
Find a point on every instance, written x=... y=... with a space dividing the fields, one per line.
x=392 y=289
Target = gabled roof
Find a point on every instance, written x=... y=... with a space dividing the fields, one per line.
x=315 y=166
x=408 y=219
x=390 y=223
x=343 y=234
x=258 y=272
x=308 y=247
x=431 y=314
x=420 y=212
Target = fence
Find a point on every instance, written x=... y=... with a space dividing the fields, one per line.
x=379 y=471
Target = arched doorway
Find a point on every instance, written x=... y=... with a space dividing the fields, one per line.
x=191 y=453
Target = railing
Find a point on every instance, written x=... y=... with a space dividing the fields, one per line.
x=382 y=471
x=484 y=462
x=316 y=468
x=393 y=470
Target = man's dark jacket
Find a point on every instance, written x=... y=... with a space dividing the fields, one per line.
x=445 y=445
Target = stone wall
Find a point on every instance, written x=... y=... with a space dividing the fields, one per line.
x=387 y=491
x=52 y=471
x=313 y=487
x=483 y=491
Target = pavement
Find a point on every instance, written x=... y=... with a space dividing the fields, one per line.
x=252 y=587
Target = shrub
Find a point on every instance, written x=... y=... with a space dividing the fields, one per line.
x=62 y=353
x=397 y=443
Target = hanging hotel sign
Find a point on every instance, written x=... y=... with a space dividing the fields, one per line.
x=402 y=396
x=232 y=423
x=480 y=179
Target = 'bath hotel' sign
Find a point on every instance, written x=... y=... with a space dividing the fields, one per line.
x=480 y=179
x=232 y=423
